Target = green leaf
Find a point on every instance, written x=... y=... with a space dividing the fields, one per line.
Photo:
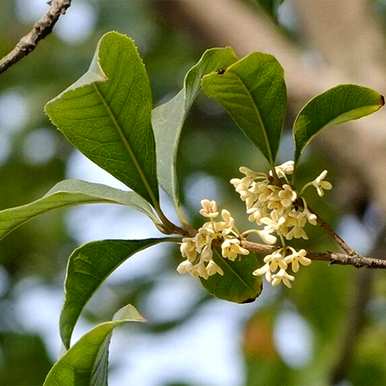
x=237 y=284
x=69 y=193
x=88 y=267
x=253 y=92
x=337 y=105
x=168 y=118
x=106 y=114
x=85 y=364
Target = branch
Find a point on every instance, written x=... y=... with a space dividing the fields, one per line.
x=336 y=237
x=331 y=257
x=39 y=31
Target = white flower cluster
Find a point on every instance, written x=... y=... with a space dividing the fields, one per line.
x=198 y=250
x=274 y=205
x=276 y=264
x=278 y=211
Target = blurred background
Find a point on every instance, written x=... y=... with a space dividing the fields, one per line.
x=330 y=329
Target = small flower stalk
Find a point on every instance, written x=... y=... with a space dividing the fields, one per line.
x=280 y=214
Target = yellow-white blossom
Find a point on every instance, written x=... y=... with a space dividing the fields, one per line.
x=188 y=248
x=273 y=262
x=296 y=258
x=287 y=168
x=198 y=250
x=311 y=217
x=267 y=236
x=278 y=211
x=185 y=267
x=276 y=265
x=287 y=196
x=231 y=248
x=320 y=184
x=212 y=268
x=209 y=208
x=282 y=277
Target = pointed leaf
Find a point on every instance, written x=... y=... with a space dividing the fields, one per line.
x=70 y=193
x=85 y=364
x=87 y=268
x=106 y=114
x=253 y=92
x=237 y=284
x=337 y=105
x=168 y=118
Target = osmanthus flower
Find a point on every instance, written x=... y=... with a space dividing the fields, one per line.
x=273 y=262
x=231 y=249
x=198 y=250
x=277 y=209
x=282 y=277
x=209 y=209
x=283 y=170
x=295 y=222
x=297 y=258
x=287 y=196
x=276 y=264
x=320 y=184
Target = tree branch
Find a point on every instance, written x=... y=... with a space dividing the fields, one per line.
x=331 y=257
x=39 y=31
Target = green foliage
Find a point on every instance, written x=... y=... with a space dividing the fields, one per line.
x=85 y=364
x=17 y=349
x=107 y=114
x=237 y=284
x=168 y=119
x=88 y=266
x=253 y=92
x=337 y=105
x=70 y=193
x=95 y=116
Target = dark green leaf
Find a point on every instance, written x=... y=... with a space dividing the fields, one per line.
x=106 y=114
x=253 y=92
x=237 y=284
x=337 y=105
x=69 y=193
x=85 y=364
x=168 y=118
x=88 y=267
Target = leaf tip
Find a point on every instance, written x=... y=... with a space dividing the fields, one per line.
x=129 y=313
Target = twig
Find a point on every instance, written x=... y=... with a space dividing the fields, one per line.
x=39 y=31
x=331 y=257
x=335 y=236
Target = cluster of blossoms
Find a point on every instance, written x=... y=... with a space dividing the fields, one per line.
x=198 y=250
x=276 y=208
x=278 y=212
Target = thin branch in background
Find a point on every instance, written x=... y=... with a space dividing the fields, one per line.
x=362 y=289
x=39 y=31
x=356 y=320
x=327 y=227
